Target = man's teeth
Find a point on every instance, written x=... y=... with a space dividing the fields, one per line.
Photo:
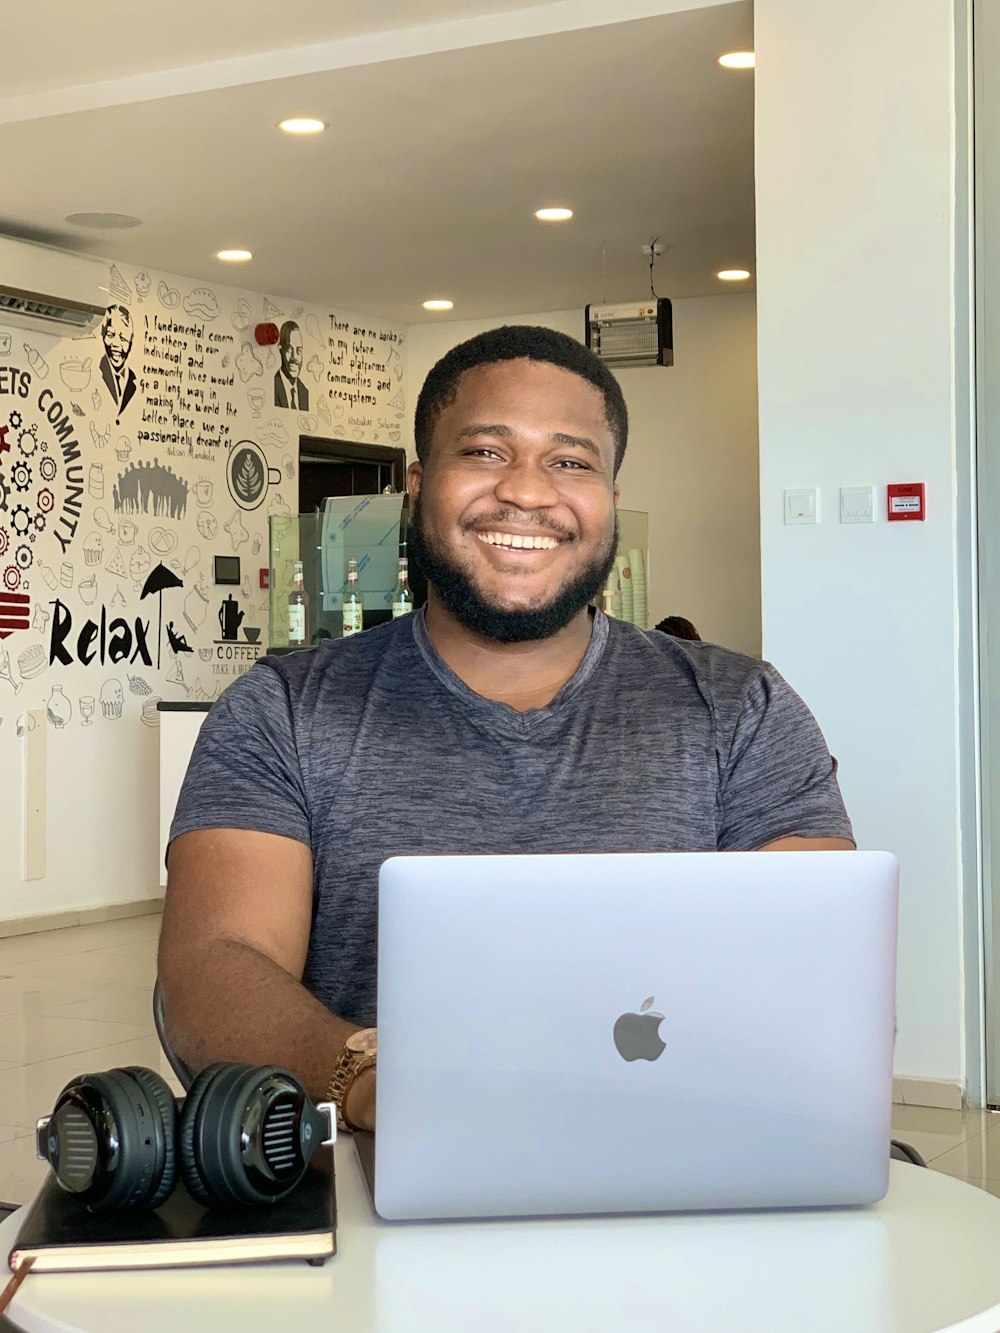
x=518 y=542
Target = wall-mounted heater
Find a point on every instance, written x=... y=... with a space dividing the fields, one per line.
x=637 y=333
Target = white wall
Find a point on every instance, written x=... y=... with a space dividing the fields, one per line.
x=691 y=462
x=858 y=307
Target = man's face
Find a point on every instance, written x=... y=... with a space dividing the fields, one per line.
x=117 y=339
x=513 y=518
x=291 y=355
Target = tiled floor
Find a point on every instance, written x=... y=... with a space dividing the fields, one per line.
x=79 y=999
x=71 y=1001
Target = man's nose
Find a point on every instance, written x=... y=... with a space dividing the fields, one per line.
x=527 y=485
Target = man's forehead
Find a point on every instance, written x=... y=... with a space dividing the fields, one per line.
x=521 y=373
x=531 y=385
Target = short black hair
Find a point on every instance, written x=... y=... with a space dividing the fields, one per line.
x=116 y=309
x=680 y=627
x=285 y=332
x=515 y=342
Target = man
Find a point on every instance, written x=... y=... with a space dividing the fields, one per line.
x=507 y=717
x=289 y=391
x=117 y=332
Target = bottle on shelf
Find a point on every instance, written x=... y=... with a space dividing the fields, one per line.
x=402 y=598
x=298 y=609
x=354 y=614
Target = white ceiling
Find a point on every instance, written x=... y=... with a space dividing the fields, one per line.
x=444 y=137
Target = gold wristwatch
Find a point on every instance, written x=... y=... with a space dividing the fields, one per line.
x=358 y=1054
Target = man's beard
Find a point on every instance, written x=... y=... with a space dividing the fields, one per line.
x=473 y=610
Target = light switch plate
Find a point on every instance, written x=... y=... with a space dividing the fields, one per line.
x=857 y=504
x=802 y=506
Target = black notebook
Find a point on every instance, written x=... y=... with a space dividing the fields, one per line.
x=61 y=1236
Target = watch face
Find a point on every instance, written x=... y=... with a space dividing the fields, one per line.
x=363 y=1042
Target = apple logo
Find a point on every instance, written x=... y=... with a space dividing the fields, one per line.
x=637 y=1036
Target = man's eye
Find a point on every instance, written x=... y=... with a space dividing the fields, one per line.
x=573 y=464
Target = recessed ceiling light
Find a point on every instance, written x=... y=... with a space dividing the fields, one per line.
x=738 y=60
x=234 y=256
x=439 y=304
x=104 y=221
x=553 y=214
x=733 y=274
x=302 y=125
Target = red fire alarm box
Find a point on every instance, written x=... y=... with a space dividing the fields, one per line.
x=906 y=502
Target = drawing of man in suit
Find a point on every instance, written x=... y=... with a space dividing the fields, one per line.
x=117 y=332
x=289 y=391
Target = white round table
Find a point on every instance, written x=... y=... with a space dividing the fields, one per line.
x=926 y=1258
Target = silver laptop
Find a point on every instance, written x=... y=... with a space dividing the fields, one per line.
x=631 y=1033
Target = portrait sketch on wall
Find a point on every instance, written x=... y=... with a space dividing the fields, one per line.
x=117 y=332
x=289 y=390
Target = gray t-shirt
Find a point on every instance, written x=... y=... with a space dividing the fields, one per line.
x=370 y=747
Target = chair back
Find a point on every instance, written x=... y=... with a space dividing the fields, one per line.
x=176 y=1063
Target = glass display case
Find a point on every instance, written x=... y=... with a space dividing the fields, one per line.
x=368 y=528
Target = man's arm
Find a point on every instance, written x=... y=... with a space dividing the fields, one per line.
x=794 y=844
x=233 y=946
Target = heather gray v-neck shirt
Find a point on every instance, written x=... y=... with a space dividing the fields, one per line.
x=370 y=747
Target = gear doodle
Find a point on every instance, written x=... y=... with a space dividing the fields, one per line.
x=47 y=469
x=45 y=443
x=12 y=578
x=16 y=420
x=24 y=557
x=20 y=474
x=28 y=440
x=20 y=520
x=4 y=540
x=46 y=500
x=39 y=524
x=3 y=494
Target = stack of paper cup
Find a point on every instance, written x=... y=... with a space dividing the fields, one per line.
x=625 y=579
x=614 y=588
x=638 y=567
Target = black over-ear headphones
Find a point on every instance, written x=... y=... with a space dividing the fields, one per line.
x=245 y=1135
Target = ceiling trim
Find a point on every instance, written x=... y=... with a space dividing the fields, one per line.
x=375 y=48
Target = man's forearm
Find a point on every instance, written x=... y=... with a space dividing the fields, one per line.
x=227 y=1001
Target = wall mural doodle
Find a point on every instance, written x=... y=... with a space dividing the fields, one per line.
x=130 y=459
x=143 y=485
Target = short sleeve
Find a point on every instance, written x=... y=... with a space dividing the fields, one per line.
x=244 y=771
x=778 y=777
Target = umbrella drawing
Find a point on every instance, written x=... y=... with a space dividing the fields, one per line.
x=160 y=577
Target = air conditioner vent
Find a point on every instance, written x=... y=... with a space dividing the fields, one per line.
x=51 y=291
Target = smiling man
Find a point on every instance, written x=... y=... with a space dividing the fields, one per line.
x=509 y=716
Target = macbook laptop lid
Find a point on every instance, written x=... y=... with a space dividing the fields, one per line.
x=621 y=1033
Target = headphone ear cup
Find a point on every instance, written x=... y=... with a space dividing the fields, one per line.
x=128 y=1112
x=247 y=1134
x=191 y=1172
x=162 y=1097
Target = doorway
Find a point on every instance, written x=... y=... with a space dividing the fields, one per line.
x=345 y=467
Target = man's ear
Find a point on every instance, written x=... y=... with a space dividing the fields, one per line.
x=616 y=495
x=414 y=478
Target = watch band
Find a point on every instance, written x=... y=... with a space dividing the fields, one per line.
x=349 y=1065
